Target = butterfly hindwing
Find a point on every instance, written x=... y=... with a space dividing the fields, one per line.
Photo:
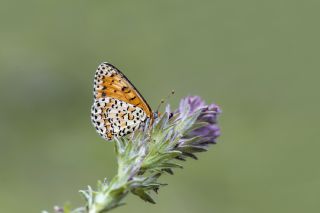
x=118 y=108
x=112 y=117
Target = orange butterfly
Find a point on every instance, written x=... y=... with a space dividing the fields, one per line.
x=118 y=108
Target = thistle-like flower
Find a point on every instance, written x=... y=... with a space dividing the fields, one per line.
x=150 y=152
x=205 y=129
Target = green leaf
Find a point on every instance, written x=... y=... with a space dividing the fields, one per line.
x=169 y=171
x=191 y=141
x=197 y=125
x=190 y=155
x=192 y=149
x=156 y=160
x=171 y=165
x=143 y=195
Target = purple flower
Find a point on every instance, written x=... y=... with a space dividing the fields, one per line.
x=207 y=133
x=194 y=102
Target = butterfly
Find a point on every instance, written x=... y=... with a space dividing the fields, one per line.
x=118 y=108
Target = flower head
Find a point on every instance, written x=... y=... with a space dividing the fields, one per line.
x=207 y=129
x=209 y=113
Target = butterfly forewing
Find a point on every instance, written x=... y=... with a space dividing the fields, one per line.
x=118 y=107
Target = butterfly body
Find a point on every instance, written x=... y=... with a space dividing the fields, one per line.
x=118 y=108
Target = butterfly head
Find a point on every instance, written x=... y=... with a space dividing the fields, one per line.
x=156 y=115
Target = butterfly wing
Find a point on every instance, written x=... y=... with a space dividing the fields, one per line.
x=112 y=117
x=118 y=108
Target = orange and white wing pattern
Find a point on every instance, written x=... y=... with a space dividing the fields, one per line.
x=118 y=108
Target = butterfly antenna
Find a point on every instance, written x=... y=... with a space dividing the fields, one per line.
x=168 y=97
x=161 y=102
x=165 y=100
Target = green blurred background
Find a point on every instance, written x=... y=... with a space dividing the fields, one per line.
x=258 y=60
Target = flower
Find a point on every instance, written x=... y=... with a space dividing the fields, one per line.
x=152 y=151
x=208 y=130
x=209 y=113
x=194 y=103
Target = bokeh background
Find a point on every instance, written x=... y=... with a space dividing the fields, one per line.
x=258 y=60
